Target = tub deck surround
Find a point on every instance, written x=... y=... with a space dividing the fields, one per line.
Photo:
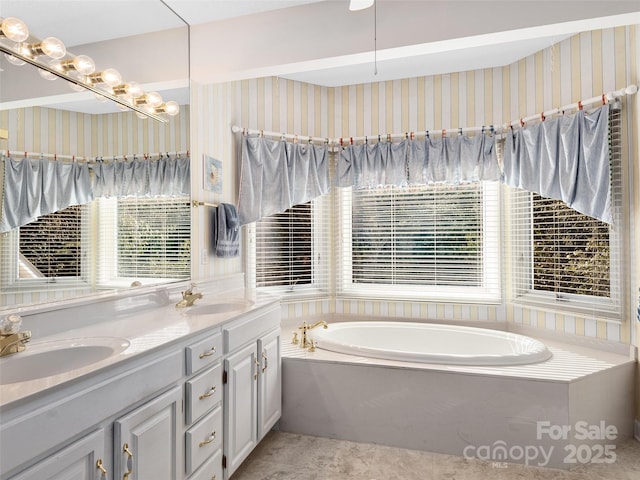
x=450 y=408
x=145 y=329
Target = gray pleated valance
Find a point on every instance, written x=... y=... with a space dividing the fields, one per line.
x=165 y=177
x=452 y=160
x=276 y=175
x=565 y=158
x=36 y=187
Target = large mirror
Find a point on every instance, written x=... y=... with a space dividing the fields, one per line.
x=119 y=240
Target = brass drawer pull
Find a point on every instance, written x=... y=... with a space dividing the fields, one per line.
x=209 y=353
x=100 y=467
x=255 y=376
x=206 y=442
x=125 y=449
x=208 y=394
x=266 y=361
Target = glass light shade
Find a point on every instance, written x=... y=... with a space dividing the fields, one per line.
x=355 y=5
x=131 y=90
x=80 y=78
x=46 y=74
x=110 y=76
x=99 y=97
x=172 y=107
x=53 y=47
x=153 y=99
x=142 y=116
x=84 y=64
x=14 y=29
x=14 y=60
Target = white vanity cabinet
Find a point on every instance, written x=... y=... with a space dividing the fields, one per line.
x=146 y=440
x=191 y=409
x=82 y=460
x=253 y=388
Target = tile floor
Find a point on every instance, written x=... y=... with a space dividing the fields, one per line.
x=288 y=456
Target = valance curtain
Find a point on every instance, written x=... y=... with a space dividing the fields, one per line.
x=276 y=175
x=565 y=158
x=451 y=160
x=36 y=187
x=142 y=178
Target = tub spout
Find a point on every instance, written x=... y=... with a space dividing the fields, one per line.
x=304 y=341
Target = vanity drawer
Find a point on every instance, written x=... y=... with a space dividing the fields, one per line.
x=204 y=352
x=204 y=391
x=203 y=439
x=243 y=331
x=211 y=470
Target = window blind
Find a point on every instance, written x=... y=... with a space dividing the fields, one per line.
x=561 y=258
x=431 y=241
x=144 y=238
x=288 y=252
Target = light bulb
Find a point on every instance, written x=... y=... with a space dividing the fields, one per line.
x=110 y=76
x=141 y=115
x=79 y=78
x=99 y=97
x=46 y=74
x=15 y=60
x=82 y=64
x=131 y=89
x=172 y=108
x=355 y=5
x=154 y=99
x=14 y=29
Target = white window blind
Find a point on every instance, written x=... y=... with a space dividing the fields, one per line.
x=144 y=238
x=288 y=252
x=427 y=242
x=562 y=259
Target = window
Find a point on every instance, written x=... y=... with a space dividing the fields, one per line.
x=433 y=241
x=133 y=238
x=563 y=258
x=288 y=251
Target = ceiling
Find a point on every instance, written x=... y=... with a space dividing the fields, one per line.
x=322 y=42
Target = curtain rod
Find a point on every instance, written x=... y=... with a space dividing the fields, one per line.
x=83 y=158
x=604 y=98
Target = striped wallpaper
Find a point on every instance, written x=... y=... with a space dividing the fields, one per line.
x=580 y=67
x=46 y=130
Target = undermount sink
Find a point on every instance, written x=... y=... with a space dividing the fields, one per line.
x=219 y=307
x=45 y=359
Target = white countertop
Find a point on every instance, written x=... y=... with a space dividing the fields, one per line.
x=144 y=330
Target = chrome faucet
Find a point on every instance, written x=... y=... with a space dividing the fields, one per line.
x=12 y=340
x=188 y=297
x=304 y=341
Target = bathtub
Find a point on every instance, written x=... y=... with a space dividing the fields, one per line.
x=430 y=343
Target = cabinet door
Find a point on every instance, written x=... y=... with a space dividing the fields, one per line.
x=79 y=461
x=240 y=399
x=269 y=383
x=146 y=440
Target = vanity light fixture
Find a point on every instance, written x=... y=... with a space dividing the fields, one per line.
x=53 y=61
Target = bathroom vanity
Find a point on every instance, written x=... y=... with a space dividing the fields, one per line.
x=190 y=396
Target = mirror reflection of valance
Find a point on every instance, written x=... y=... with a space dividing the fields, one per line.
x=142 y=178
x=276 y=175
x=565 y=158
x=36 y=187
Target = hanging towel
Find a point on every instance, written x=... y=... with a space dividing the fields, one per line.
x=224 y=231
